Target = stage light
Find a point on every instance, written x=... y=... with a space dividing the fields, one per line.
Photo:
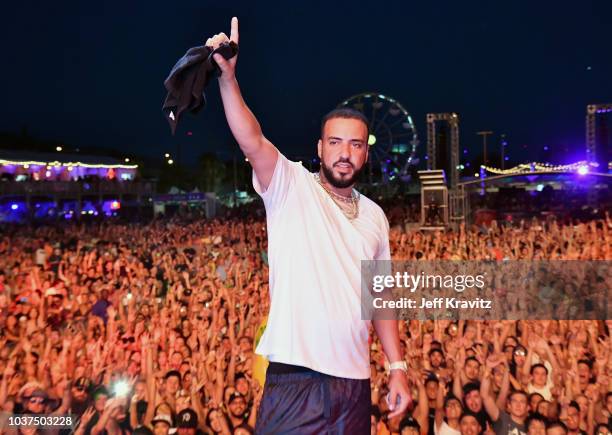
x=166 y=155
x=583 y=170
x=115 y=205
x=170 y=161
x=371 y=139
x=540 y=187
x=48 y=174
x=127 y=160
x=58 y=148
x=14 y=206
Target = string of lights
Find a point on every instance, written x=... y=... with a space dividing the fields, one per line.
x=27 y=164
x=581 y=166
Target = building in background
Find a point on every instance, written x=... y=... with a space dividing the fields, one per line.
x=47 y=185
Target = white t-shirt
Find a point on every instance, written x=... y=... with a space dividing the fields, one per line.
x=445 y=429
x=545 y=391
x=41 y=257
x=315 y=255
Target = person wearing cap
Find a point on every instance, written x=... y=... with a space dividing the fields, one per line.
x=161 y=424
x=187 y=423
x=237 y=408
x=35 y=402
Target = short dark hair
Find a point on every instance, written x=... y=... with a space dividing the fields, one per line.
x=436 y=350
x=535 y=417
x=345 y=113
x=472 y=358
x=408 y=421
x=556 y=423
x=535 y=366
x=142 y=430
x=574 y=404
x=173 y=373
x=515 y=392
x=468 y=413
x=451 y=397
x=532 y=395
x=469 y=387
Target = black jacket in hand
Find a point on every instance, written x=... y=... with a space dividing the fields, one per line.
x=186 y=82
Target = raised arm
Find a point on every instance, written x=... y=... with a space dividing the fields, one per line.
x=487 y=400
x=261 y=153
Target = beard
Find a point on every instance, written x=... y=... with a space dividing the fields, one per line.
x=341 y=183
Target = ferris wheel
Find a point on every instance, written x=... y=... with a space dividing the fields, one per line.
x=393 y=137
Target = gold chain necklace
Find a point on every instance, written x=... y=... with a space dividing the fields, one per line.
x=348 y=206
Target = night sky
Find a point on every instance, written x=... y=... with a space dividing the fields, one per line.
x=91 y=73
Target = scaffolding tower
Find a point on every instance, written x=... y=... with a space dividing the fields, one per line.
x=591 y=132
x=456 y=195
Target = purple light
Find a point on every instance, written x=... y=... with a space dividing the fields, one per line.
x=464 y=151
x=506 y=158
x=583 y=170
x=546 y=148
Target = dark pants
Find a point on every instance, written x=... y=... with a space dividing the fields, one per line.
x=300 y=401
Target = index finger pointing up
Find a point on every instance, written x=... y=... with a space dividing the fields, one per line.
x=234 y=30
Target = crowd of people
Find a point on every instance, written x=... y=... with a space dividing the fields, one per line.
x=151 y=328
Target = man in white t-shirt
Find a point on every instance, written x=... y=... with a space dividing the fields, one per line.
x=319 y=230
